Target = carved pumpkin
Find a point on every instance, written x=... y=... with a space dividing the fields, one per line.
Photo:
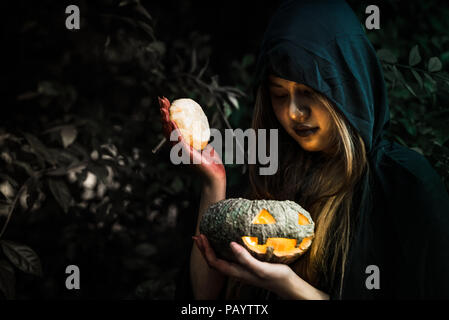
x=271 y=230
x=191 y=121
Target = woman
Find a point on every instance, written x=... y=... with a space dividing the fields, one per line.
x=381 y=211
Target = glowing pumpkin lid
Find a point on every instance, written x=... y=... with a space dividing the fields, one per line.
x=191 y=121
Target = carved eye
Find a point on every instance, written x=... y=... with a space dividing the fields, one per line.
x=302 y=220
x=264 y=217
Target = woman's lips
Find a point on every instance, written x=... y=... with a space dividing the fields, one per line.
x=305 y=132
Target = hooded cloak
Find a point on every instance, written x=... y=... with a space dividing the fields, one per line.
x=401 y=234
x=402 y=228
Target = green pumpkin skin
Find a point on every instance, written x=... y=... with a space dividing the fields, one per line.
x=231 y=219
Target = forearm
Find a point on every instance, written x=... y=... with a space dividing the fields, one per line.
x=298 y=289
x=206 y=282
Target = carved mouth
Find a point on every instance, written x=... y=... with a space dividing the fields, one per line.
x=280 y=246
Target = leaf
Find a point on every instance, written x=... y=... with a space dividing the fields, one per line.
x=387 y=56
x=227 y=109
x=214 y=82
x=7 y=190
x=25 y=166
x=39 y=148
x=7 y=279
x=145 y=249
x=194 y=61
x=158 y=46
x=140 y=9
x=410 y=127
x=47 y=88
x=146 y=28
x=9 y=179
x=233 y=100
x=177 y=185
x=389 y=75
x=4 y=209
x=401 y=141
x=414 y=57
x=431 y=80
x=247 y=60
x=430 y=84
x=203 y=69
x=61 y=193
x=418 y=78
x=101 y=173
x=110 y=149
x=6 y=156
x=23 y=257
x=68 y=135
x=409 y=88
x=445 y=56
x=32 y=195
x=434 y=65
x=417 y=149
x=398 y=74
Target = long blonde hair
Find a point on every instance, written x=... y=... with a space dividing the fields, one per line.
x=323 y=184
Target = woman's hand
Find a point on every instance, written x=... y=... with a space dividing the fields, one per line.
x=209 y=162
x=278 y=278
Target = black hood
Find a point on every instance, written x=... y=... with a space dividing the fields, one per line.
x=321 y=44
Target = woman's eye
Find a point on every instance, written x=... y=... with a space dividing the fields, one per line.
x=307 y=93
x=280 y=96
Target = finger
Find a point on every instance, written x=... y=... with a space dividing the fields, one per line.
x=246 y=259
x=199 y=245
x=207 y=248
x=164 y=109
x=164 y=103
x=195 y=239
x=236 y=271
x=167 y=126
x=226 y=267
x=165 y=116
x=211 y=258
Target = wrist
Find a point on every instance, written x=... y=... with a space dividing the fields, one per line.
x=213 y=191
x=216 y=183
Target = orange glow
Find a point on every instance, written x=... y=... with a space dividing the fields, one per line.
x=302 y=220
x=281 y=246
x=305 y=243
x=264 y=217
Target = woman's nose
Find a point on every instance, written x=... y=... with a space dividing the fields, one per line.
x=298 y=111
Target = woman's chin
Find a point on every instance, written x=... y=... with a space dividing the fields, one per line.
x=309 y=147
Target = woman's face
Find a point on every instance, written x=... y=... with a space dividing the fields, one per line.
x=304 y=117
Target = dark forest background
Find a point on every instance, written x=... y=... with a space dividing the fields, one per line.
x=79 y=118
